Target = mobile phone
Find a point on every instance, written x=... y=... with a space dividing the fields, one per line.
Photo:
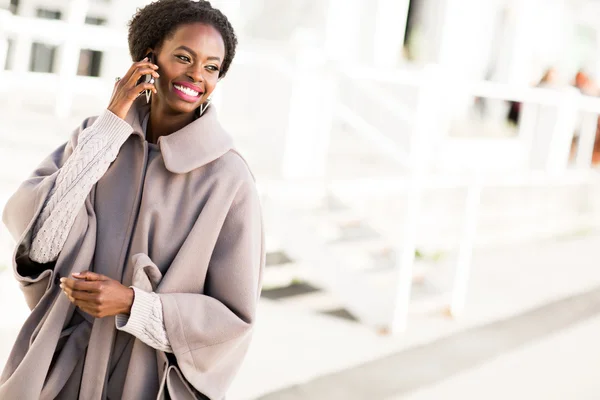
x=147 y=78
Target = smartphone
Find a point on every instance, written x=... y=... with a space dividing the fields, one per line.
x=147 y=78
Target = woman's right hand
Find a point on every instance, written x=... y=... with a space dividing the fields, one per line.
x=126 y=89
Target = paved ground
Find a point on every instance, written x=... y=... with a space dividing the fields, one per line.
x=561 y=366
x=459 y=364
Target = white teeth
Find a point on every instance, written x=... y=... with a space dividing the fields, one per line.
x=186 y=90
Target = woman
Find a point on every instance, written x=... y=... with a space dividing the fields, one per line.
x=140 y=242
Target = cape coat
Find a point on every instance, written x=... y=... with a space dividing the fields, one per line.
x=183 y=215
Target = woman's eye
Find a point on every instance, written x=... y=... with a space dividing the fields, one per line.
x=184 y=58
x=212 y=68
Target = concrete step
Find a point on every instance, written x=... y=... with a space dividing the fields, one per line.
x=342 y=253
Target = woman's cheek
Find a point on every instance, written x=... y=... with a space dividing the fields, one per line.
x=209 y=91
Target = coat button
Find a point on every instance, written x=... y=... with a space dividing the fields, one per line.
x=57 y=279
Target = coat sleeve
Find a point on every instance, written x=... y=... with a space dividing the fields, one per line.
x=210 y=333
x=21 y=212
x=97 y=149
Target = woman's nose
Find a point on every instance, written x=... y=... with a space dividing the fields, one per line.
x=196 y=74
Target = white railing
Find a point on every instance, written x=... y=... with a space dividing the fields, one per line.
x=434 y=84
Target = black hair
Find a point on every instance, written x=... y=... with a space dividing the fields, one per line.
x=154 y=23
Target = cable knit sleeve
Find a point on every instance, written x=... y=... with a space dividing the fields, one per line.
x=146 y=321
x=97 y=149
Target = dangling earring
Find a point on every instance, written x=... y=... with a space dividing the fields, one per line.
x=148 y=91
x=203 y=107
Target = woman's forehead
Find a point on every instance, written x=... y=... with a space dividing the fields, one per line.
x=199 y=37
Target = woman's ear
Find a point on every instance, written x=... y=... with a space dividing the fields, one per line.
x=150 y=54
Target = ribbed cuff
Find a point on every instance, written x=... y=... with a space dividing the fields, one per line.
x=113 y=130
x=141 y=310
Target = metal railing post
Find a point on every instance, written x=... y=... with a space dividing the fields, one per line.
x=3 y=52
x=587 y=139
x=4 y=16
x=420 y=149
x=465 y=250
x=562 y=134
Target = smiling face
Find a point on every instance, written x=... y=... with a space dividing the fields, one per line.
x=189 y=62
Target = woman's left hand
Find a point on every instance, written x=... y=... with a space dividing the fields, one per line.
x=98 y=295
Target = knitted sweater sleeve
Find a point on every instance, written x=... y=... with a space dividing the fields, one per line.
x=98 y=147
x=146 y=321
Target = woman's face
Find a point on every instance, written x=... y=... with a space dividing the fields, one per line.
x=189 y=63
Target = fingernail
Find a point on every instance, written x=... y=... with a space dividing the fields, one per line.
x=145 y=59
x=76 y=273
x=62 y=286
x=63 y=279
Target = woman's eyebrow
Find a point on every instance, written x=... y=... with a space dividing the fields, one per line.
x=193 y=53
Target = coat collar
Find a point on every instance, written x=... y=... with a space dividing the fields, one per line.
x=197 y=144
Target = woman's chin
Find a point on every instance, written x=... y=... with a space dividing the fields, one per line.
x=183 y=107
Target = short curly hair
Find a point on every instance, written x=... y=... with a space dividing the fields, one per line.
x=154 y=23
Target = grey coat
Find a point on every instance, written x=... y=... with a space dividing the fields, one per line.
x=188 y=215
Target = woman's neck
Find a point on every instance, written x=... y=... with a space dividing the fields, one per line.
x=163 y=123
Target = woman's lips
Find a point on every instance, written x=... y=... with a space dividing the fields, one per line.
x=186 y=93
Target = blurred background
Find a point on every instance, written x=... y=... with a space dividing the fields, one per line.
x=427 y=171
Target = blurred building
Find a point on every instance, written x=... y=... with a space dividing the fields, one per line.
x=511 y=41
x=504 y=40
x=39 y=50
x=490 y=39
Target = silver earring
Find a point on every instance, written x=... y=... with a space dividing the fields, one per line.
x=148 y=91
x=204 y=106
